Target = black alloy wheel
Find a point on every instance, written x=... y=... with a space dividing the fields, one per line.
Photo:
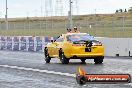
x=83 y=61
x=47 y=57
x=98 y=60
x=63 y=59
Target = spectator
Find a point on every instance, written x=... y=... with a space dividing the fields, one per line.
x=69 y=30
x=76 y=30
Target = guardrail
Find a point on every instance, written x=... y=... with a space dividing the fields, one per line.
x=23 y=43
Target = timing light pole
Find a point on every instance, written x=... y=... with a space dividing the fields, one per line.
x=70 y=14
x=6 y=16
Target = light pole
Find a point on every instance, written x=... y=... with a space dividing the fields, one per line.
x=70 y=14
x=0 y=19
x=6 y=17
x=41 y=8
x=123 y=24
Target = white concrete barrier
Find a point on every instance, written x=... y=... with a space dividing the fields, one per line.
x=113 y=46
x=117 y=46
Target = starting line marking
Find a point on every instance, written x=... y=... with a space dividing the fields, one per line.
x=38 y=70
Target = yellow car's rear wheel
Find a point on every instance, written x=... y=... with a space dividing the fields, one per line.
x=63 y=59
x=98 y=60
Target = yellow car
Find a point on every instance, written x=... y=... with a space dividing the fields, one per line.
x=74 y=46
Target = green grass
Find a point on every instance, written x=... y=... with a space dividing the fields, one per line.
x=98 y=32
x=103 y=25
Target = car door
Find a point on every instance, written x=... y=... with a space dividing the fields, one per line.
x=51 y=49
x=58 y=43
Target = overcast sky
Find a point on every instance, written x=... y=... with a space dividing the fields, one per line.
x=24 y=8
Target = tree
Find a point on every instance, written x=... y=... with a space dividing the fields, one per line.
x=121 y=10
x=130 y=10
x=125 y=10
x=117 y=11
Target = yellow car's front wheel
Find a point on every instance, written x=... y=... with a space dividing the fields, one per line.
x=47 y=57
x=62 y=57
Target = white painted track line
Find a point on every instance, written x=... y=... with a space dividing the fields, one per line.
x=38 y=70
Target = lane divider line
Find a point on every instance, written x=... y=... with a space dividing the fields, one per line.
x=38 y=70
x=44 y=71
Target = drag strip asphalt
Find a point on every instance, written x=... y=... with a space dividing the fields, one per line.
x=25 y=63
